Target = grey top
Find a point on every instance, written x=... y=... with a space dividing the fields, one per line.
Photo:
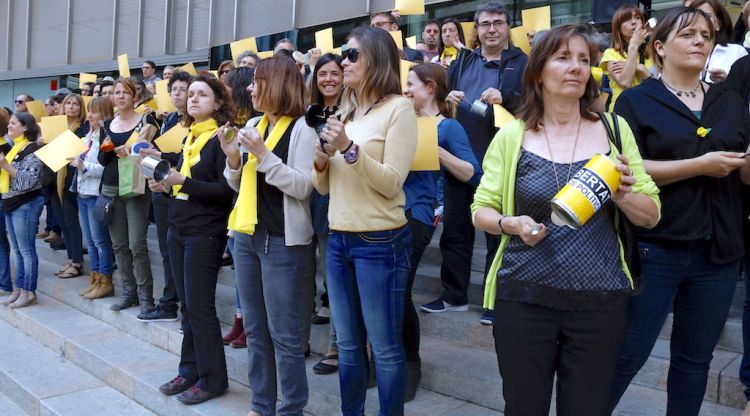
x=569 y=269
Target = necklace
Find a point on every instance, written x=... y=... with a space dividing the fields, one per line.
x=572 y=157
x=680 y=93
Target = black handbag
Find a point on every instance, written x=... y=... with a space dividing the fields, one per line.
x=624 y=228
x=104 y=209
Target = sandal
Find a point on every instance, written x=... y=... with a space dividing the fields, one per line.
x=325 y=368
x=61 y=271
x=73 y=270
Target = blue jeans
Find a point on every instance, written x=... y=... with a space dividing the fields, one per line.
x=678 y=277
x=276 y=285
x=96 y=235
x=22 y=224
x=745 y=366
x=5 y=282
x=367 y=275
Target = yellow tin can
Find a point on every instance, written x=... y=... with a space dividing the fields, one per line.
x=586 y=192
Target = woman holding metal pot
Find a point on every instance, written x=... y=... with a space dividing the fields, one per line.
x=559 y=295
x=198 y=212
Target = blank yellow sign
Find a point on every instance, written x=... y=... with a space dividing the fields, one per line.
x=470 y=33
x=53 y=126
x=520 y=38
x=265 y=54
x=502 y=116
x=324 y=40
x=86 y=100
x=123 y=65
x=83 y=78
x=171 y=140
x=189 y=68
x=36 y=109
x=133 y=139
x=239 y=46
x=398 y=37
x=426 y=156
x=409 y=7
x=64 y=146
x=411 y=42
x=163 y=99
x=538 y=18
x=405 y=67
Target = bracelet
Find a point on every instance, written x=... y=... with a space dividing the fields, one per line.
x=351 y=143
x=500 y=224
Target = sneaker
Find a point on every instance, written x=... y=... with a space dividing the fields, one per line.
x=440 y=305
x=196 y=395
x=487 y=317
x=176 y=385
x=322 y=317
x=157 y=314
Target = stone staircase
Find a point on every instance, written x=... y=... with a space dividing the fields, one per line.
x=71 y=356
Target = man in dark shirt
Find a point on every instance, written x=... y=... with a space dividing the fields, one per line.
x=493 y=74
x=431 y=38
x=388 y=22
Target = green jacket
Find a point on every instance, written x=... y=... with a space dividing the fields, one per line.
x=498 y=186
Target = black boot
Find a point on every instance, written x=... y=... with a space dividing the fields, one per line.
x=146 y=298
x=413 y=377
x=129 y=297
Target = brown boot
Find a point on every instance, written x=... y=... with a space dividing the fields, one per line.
x=12 y=298
x=103 y=290
x=26 y=298
x=95 y=277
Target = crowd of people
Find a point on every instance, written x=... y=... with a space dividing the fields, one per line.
x=298 y=156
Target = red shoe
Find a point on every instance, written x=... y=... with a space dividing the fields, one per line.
x=240 y=341
x=236 y=330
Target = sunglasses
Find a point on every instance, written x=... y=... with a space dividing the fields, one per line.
x=20 y=101
x=352 y=54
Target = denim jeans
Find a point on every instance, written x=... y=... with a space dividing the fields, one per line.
x=22 y=224
x=5 y=282
x=678 y=277
x=745 y=365
x=196 y=260
x=276 y=284
x=101 y=256
x=367 y=275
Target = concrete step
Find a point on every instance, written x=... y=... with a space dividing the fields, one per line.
x=35 y=380
x=153 y=349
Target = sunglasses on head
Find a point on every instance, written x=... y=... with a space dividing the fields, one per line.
x=352 y=54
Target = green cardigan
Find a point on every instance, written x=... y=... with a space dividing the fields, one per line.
x=498 y=186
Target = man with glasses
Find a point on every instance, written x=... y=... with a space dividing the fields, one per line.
x=167 y=308
x=149 y=72
x=493 y=74
x=388 y=22
x=21 y=102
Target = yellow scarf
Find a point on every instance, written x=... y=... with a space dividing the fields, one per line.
x=244 y=216
x=200 y=134
x=449 y=54
x=18 y=144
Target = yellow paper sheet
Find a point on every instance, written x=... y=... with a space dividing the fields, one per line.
x=265 y=54
x=411 y=42
x=163 y=99
x=214 y=73
x=171 y=141
x=189 y=68
x=239 y=46
x=55 y=154
x=133 y=139
x=141 y=109
x=398 y=37
x=86 y=100
x=324 y=40
x=520 y=38
x=409 y=7
x=53 y=126
x=83 y=78
x=123 y=65
x=405 y=67
x=336 y=51
x=426 y=156
x=470 y=33
x=36 y=109
x=502 y=116
x=538 y=18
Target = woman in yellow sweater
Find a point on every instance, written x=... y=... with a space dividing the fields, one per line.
x=369 y=243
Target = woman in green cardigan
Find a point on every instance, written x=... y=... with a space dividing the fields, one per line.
x=559 y=294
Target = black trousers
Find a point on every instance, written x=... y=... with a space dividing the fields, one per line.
x=421 y=235
x=535 y=343
x=457 y=242
x=160 y=204
x=196 y=260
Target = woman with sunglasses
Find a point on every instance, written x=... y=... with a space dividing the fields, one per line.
x=363 y=164
x=273 y=253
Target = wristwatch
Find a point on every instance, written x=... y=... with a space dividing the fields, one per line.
x=350 y=156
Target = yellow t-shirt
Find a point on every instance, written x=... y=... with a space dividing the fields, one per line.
x=611 y=55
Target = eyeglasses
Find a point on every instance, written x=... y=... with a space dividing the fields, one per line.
x=352 y=54
x=487 y=25
x=20 y=101
x=178 y=89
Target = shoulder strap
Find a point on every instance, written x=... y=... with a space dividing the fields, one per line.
x=614 y=137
